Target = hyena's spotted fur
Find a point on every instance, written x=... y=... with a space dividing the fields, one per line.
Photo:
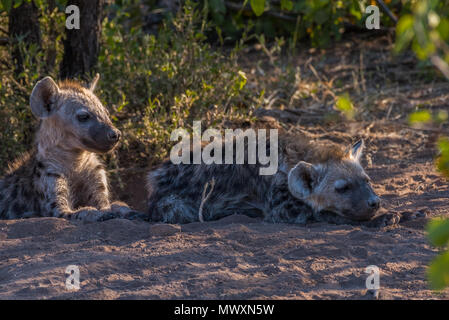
x=62 y=176
x=314 y=182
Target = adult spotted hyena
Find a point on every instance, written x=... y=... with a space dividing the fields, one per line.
x=314 y=182
x=62 y=176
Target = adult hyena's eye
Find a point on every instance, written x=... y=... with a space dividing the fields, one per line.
x=83 y=117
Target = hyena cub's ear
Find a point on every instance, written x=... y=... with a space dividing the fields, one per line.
x=43 y=98
x=94 y=82
x=301 y=180
x=355 y=153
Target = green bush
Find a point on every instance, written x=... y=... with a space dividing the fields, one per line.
x=438 y=230
x=426 y=30
x=321 y=21
x=154 y=84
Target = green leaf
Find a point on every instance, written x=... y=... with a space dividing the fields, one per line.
x=443 y=145
x=441 y=116
x=217 y=6
x=423 y=51
x=287 y=5
x=242 y=79
x=438 y=230
x=404 y=32
x=443 y=29
x=6 y=4
x=345 y=105
x=420 y=116
x=258 y=6
x=321 y=16
x=18 y=3
x=438 y=272
x=443 y=160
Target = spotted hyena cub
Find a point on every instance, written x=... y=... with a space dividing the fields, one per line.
x=62 y=176
x=314 y=182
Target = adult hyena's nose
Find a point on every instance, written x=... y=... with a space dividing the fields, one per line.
x=114 y=135
x=374 y=202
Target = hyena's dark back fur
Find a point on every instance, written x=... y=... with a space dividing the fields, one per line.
x=176 y=193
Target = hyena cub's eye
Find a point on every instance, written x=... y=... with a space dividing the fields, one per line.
x=342 y=185
x=83 y=117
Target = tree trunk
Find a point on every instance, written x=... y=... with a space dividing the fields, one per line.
x=23 y=24
x=50 y=59
x=82 y=46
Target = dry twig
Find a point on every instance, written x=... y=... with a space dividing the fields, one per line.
x=204 y=198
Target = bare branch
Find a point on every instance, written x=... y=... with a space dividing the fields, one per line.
x=387 y=11
x=441 y=65
x=205 y=197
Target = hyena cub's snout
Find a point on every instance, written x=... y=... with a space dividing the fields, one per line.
x=363 y=202
x=102 y=137
x=373 y=202
x=341 y=187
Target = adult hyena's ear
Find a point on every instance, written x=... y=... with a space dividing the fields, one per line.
x=43 y=98
x=94 y=82
x=355 y=153
x=302 y=179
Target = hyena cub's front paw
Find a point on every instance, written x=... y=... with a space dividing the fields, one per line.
x=385 y=220
x=124 y=212
x=93 y=215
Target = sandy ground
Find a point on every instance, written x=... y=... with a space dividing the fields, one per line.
x=240 y=257
x=236 y=258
